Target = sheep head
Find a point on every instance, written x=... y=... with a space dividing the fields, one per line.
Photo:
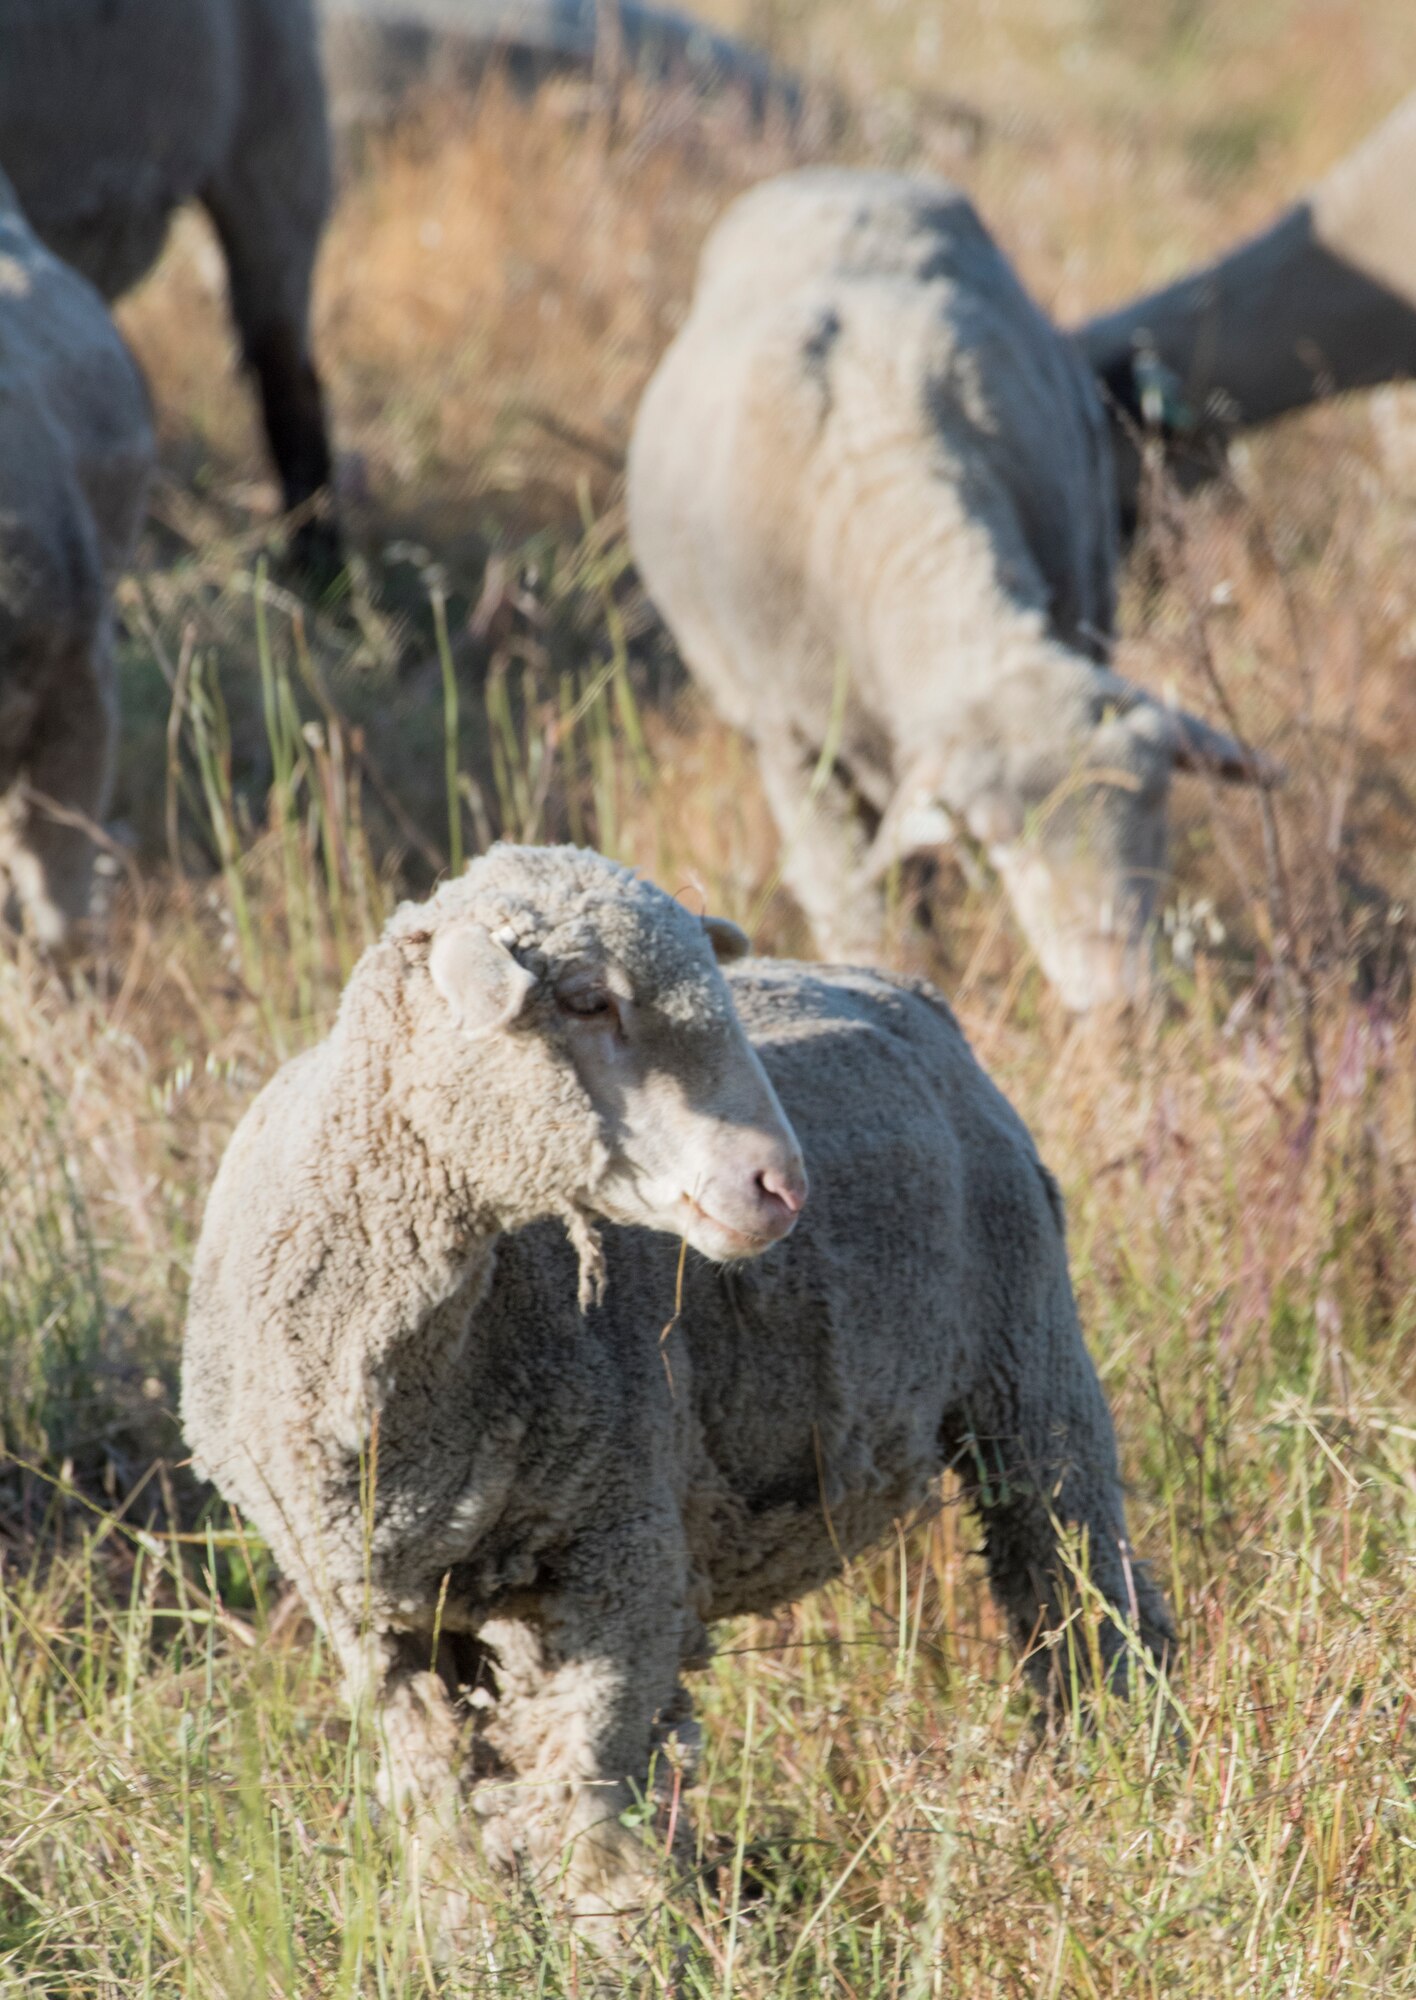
x=583 y=1044
x=1065 y=784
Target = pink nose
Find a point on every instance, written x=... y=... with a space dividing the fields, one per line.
x=783 y=1190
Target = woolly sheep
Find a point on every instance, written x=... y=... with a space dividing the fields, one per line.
x=568 y=1493
x=76 y=449
x=870 y=491
x=112 y=116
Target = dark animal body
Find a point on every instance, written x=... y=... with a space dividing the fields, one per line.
x=113 y=113
x=76 y=449
x=1322 y=301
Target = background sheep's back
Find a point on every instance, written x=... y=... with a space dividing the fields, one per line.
x=59 y=343
x=885 y=454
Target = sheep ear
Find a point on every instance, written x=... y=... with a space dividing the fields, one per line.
x=479 y=979
x=727 y=940
x=995 y=817
x=914 y=822
x=1192 y=745
x=1195 y=746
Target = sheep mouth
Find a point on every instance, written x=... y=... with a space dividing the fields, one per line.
x=741 y=1242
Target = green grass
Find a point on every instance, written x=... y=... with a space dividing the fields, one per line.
x=189 y=1813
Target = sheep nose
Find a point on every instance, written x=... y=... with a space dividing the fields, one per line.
x=783 y=1188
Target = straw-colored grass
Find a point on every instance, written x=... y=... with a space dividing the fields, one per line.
x=184 y=1807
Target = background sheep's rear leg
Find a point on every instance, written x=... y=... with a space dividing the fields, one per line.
x=1040 y=1467
x=69 y=759
x=292 y=401
x=270 y=229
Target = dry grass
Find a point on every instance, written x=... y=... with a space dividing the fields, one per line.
x=181 y=1807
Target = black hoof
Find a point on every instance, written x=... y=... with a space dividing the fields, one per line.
x=316 y=555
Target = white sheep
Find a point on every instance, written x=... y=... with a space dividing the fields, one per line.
x=391 y=1368
x=870 y=491
x=76 y=449
x=112 y=116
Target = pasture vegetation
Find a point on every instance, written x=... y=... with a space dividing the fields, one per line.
x=183 y=1807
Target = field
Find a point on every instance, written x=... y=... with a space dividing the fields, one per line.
x=184 y=1806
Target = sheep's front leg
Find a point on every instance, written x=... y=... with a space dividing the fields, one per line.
x=587 y=1692
x=420 y=1739
x=823 y=848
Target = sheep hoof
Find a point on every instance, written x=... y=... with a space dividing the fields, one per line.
x=317 y=555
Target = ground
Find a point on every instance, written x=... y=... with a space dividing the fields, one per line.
x=183 y=1807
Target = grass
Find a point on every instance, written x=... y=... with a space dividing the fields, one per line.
x=184 y=1807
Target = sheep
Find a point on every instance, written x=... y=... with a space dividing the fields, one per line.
x=1323 y=300
x=870 y=492
x=379 y=53
x=392 y=1368
x=76 y=449
x=113 y=116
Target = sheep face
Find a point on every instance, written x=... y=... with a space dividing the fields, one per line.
x=605 y=1003
x=1076 y=824
x=1080 y=843
x=696 y=1139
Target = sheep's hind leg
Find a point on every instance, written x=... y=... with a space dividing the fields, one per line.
x=292 y=402
x=1042 y=1475
x=270 y=238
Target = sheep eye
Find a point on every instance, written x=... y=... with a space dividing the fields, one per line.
x=587 y=1006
